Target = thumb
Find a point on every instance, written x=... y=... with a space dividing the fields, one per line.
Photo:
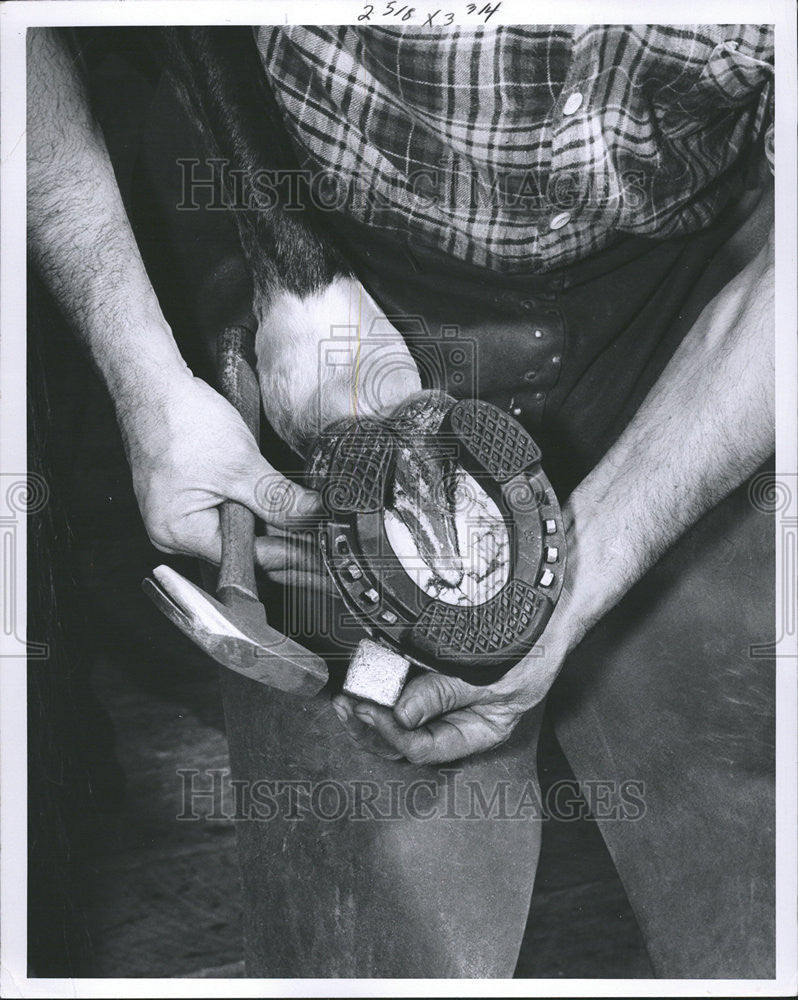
x=275 y=499
x=429 y=695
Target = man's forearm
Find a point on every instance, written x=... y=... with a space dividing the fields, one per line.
x=704 y=427
x=79 y=234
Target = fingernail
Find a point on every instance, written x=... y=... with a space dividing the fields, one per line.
x=412 y=711
x=341 y=711
x=364 y=715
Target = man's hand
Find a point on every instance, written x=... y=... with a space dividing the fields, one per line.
x=440 y=718
x=189 y=450
x=706 y=425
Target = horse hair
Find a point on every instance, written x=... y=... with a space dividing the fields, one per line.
x=220 y=80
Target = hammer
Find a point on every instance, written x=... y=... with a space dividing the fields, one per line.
x=232 y=628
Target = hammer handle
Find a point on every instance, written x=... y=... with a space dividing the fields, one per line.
x=239 y=384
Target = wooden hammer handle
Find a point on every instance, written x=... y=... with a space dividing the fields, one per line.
x=239 y=384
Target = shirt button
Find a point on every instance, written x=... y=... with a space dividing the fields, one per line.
x=539 y=396
x=560 y=220
x=555 y=359
x=573 y=104
x=538 y=334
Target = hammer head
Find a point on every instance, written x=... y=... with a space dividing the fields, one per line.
x=237 y=637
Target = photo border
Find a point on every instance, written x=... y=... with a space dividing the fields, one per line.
x=15 y=18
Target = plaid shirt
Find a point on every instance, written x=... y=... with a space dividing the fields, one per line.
x=524 y=148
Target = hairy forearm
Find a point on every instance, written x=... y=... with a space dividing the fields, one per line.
x=704 y=427
x=79 y=234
